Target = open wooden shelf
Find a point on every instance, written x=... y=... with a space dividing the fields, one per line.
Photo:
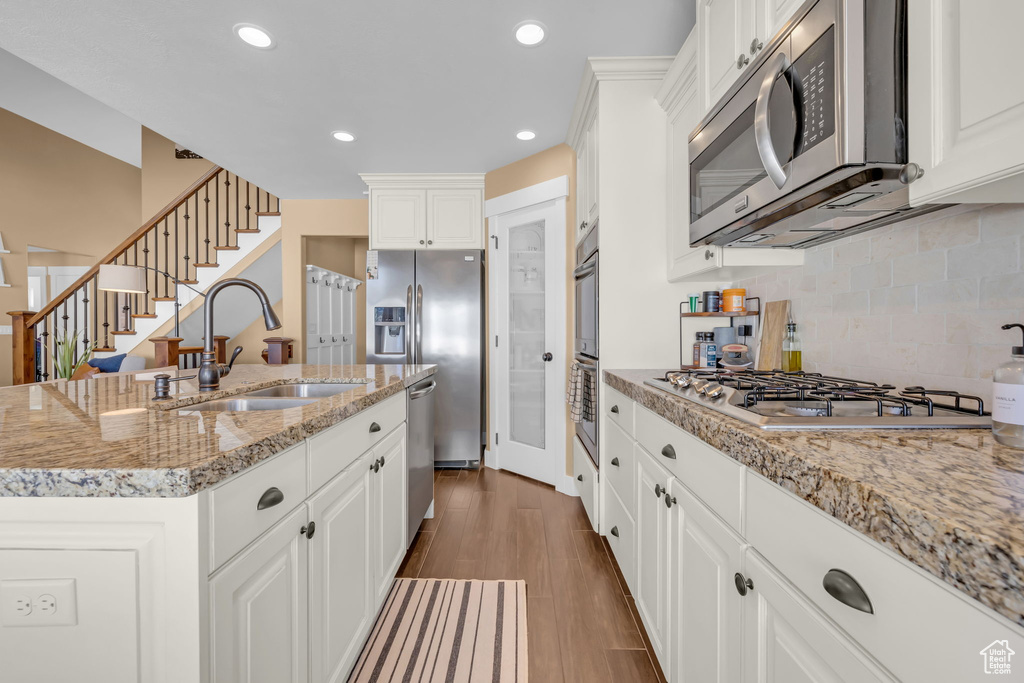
x=720 y=314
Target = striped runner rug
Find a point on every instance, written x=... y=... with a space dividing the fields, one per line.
x=450 y=630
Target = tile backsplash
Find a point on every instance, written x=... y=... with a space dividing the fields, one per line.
x=918 y=302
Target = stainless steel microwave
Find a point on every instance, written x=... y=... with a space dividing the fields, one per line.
x=810 y=144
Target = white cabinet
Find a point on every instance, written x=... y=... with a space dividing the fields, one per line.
x=330 y=317
x=340 y=572
x=772 y=15
x=587 y=198
x=390 y=502
x=679 y=97
x=726 y=32
x=787 y=640
x=966 y=101
x=706 y=556
x=258 y=609
x=586 y=476
x=426 y=211
x=652 y=552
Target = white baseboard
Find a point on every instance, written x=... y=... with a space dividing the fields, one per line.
x=567 y=485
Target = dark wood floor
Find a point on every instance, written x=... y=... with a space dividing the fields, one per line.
x=582 y=622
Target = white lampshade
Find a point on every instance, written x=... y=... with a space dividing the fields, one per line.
x=122 y=279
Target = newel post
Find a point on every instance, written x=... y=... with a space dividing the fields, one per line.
x=165 y=355
x=24 y=347
x=220 y=345
x=277 y=350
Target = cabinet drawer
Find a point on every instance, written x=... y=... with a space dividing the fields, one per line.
x=585 y=475
x=913 y=611
x=235 y=515
x=620 y=466
x=713 y=476
x=621 y=537
x=620 y=409
x=336 y=448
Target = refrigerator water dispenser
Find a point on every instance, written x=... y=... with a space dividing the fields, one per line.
x=389 y=330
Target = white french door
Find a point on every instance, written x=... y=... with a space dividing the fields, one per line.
x=527 y=274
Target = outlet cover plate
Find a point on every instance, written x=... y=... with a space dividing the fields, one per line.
x=52 y=602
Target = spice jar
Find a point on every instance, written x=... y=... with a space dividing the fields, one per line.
x=734 y=300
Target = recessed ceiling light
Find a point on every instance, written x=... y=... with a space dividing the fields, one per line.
x=255 y=36
x=526 y=135
x=343 y=136
x=530 y=33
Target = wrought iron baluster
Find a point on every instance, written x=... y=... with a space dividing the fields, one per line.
x=145 y=261
x=45 y=345
x=177 y=255
x=227 y=209
x=85 y=314
x=74 y=325
x=206 y=202
x=167 y=251
x=247 y=206
x=216 y=212
x=106 y=320
x=237 y=183
x=117 y=302
x=186 y=217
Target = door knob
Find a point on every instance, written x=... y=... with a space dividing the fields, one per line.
x=547 y=357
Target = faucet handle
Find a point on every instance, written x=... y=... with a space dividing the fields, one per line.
x=234 y=355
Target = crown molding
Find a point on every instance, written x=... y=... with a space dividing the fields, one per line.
x=426 y=181
x=600 y=69
x=680 y=83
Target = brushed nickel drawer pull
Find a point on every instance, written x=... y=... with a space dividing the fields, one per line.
x=579 y=478
x=270 y=498
x=615 y=461
x=669 y=452
x=846 y=590
x=615 y=531
x=374 y=427
x=615 y=409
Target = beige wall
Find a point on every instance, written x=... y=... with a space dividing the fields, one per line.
x=58 y=194
x=551 y=163
x=312 y=218
x=251 y=340
x=163 y=176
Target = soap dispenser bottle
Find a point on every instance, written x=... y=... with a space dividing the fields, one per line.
x=1008 y=398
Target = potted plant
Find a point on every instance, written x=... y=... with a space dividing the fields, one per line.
x=67 y=357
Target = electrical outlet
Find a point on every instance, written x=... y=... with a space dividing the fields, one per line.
x=38 y=602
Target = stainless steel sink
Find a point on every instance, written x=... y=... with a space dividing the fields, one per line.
x=310 y=390
x=246 y=404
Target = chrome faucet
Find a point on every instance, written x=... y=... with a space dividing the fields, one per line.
x=210 y=371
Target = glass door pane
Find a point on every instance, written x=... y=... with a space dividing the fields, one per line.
x=526 y=333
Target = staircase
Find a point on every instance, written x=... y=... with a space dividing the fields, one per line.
x=196 y=239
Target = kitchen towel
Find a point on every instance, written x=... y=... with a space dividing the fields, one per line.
x=448 y=630
x=580 y=394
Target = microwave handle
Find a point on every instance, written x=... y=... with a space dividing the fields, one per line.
x=776 y=67
x=585 y=269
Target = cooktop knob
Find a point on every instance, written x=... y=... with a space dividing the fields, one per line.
x=714 y=391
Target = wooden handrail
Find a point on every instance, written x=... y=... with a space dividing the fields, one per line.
x=127 y=242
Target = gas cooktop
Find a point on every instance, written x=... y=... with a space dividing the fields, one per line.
x=806 y=400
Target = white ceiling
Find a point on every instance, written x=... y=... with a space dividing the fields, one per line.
x=37 y=96
x=425 y=85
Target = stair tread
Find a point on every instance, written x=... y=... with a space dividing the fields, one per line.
x=143 y=315
x=128 y=332
x=163 y=298
x=189 y=282
x=105 y=349
x=247 y=229
x=268 y=213
x=206 y=265
x=227 y=248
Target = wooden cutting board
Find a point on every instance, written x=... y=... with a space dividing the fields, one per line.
x=773 y=331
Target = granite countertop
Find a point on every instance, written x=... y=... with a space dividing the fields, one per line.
x=105 y=437
x=949 y=500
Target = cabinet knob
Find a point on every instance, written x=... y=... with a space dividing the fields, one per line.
x=742 y=61
x=708 y=255
x=743 y=584
x=615 y=461
x=375 y=466
x=615 y=409
x=421 y=241
x=334 y=339
x=579 y=478
x=547 y=357
x=322 y=340
x=846 y=590
x=271 y=497
x=374 y=427
x=382 y=462
x=658 y=490
x=430 y=241
x=669 y=452
x=755 y=46
x=308 y=530
x=583 y=226
x=669 y=500
x=614 y=531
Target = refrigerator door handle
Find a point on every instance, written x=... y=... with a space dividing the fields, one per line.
x=419 y=323
x=408 y=325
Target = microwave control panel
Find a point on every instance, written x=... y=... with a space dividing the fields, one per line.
x=814 y=83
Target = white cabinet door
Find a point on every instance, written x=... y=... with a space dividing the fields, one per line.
x=582 y=189
x=652 y=534
x=787 y=640
x=340 y=572
x=398 y=219
x=592 y=174
x=706 y=623
x=966 y=101
x=725 y=29
x=455 y=219
x=771 y=16
x=390 y=504
x=258 y=609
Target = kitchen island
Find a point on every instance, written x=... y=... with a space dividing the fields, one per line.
x=869 y=544
x=199 y=545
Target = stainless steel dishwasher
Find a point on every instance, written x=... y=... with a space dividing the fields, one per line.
x=420 y=454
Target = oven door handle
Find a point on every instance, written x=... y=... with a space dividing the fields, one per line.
x=585 y=269
x=762 y=135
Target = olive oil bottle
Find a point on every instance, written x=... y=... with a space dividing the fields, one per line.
x=791 y=356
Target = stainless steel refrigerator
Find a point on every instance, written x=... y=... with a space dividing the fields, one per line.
x=428 y=307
